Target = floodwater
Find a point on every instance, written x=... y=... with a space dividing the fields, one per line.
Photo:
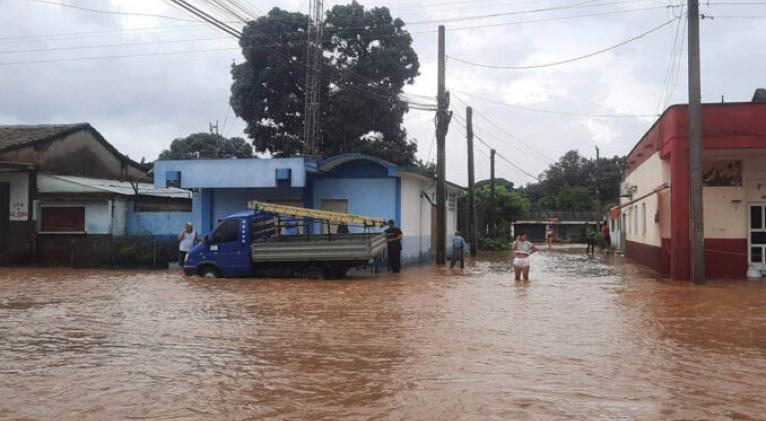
x=585 y=339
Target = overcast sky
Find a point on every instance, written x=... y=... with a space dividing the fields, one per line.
x=141 y=103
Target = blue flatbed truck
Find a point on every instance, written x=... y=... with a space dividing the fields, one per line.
x=254 y=243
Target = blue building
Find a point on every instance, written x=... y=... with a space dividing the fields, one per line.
x=350 y=183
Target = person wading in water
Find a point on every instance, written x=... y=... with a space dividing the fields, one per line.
x=549 y=236
x=522 y=250
x=394 y=239
x=186 y=239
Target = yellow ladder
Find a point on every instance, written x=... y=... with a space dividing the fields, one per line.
x=334 y=217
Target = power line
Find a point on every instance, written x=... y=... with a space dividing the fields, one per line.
x=585 y=4
x=570 y=60
x=129 y=44
x=512 y=136
x=540 y=110
x=71 y=59
x=108 y=12
x=477 y=137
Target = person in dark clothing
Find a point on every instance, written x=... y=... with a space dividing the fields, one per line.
x=394 y=239
x=590 y=237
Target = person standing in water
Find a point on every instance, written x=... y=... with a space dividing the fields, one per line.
x=590 y=238
x=549 y=236
x=186 y=239
x=394 y=240
x=522 y=249
x=458 y=250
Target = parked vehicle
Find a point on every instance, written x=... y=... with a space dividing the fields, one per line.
x=276 y=240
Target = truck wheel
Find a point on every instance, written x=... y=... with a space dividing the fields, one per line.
x=208 y=271
x=314 y=272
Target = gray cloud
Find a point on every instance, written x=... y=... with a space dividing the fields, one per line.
x=142 y=103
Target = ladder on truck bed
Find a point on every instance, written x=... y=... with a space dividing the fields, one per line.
x=332 y=217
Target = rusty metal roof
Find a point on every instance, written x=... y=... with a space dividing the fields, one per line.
x=21 y=135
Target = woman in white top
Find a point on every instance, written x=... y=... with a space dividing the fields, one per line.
x=549 y=236
x=186 y=240
x=522 y=250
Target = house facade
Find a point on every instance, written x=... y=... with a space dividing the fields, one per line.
x=568 y=226
x=349 y=183
x=653 y=216
x=64 y=188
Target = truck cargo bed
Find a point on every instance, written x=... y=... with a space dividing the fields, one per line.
x=361 y=248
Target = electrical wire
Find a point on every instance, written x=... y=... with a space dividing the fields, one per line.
x=540 y=110
x=570 y=60
x=586 y=4
x=477 y=137
x=129 y=44
x=547 y=158
x=108 y=12
x=674 y=53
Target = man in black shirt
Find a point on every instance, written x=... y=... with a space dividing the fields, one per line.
x=394 y=239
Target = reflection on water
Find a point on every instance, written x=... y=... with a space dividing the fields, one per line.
x=586 y=338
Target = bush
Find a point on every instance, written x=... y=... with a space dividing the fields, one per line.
x=494 y=244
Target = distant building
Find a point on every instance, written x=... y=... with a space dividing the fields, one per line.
x=350 y=183
x=654 y=210
x=568 y=226
x=64 y=187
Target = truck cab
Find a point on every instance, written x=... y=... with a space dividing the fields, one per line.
x=226 y=251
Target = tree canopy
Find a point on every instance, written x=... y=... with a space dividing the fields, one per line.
x=207 y=146
x=577 y=183
x=367 y=59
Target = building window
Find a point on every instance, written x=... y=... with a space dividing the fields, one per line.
x=635 y=219
x=62 y=219
x=173 y=179
x=643 y=218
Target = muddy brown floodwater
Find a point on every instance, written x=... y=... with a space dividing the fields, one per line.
x=586 y=339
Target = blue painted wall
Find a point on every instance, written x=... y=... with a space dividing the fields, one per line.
x=155 y=223
x=366 y=196
x=230 y=173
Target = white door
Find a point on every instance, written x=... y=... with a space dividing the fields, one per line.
x=756 y=237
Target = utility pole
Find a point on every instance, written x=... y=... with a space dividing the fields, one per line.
x=492 y=225
x=313 y=66
x=598 y=174
x=442 y=125
x=471 y=226
x=696 y=224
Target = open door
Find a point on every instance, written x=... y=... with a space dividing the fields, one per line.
x=5 y=205
x=756 y=236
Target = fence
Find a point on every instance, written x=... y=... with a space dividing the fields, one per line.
x=106 y=251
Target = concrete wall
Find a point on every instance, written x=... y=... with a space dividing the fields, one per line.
x=156 y=223
x=641 y=226
x=66 y=156
x=366 y=196
x=230 y=173
x=19 y=195
x=416 y=216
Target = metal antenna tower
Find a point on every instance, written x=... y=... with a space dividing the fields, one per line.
x=313 y=68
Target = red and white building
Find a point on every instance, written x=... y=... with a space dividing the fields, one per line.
x=653 y=215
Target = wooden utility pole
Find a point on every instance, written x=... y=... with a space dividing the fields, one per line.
x=492 y=226
x=442 y=125
x=696 y=224
x=471 y=226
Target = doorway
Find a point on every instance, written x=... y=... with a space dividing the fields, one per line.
x=333 y=205
x=5 y=205
x=756 y=236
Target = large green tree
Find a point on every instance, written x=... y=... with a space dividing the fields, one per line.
x=367 y=60
x=577 y=183
x=207 y=146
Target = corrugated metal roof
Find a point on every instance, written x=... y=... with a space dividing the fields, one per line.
x=18 y=135
x=70 y=184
